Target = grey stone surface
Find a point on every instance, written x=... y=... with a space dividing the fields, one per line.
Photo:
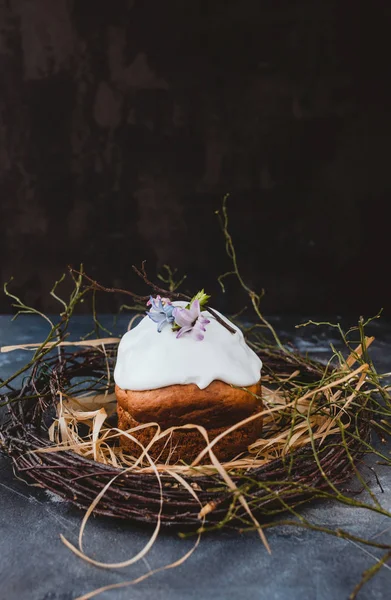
x=35 y=564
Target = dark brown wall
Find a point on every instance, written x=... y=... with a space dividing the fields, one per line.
x=122 y=124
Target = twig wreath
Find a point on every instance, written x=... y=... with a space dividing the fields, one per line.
x=60 y=429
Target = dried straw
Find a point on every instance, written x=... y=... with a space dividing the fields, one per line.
x=75 y=451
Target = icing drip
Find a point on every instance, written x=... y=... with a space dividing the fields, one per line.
x=149 y=360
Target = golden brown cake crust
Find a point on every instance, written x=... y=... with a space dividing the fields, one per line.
x=216 y=408
x=217 y=405
x=186 y=444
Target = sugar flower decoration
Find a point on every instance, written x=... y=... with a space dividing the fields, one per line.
x=161 y=311
x=190 y=320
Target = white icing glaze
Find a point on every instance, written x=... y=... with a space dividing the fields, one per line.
x=148 y=360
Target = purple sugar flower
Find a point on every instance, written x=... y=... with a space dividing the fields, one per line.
x=190 y=320
x=161 y=311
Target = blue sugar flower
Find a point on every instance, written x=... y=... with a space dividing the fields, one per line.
x=161 y=311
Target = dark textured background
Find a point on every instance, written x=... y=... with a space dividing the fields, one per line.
x=123 y=123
